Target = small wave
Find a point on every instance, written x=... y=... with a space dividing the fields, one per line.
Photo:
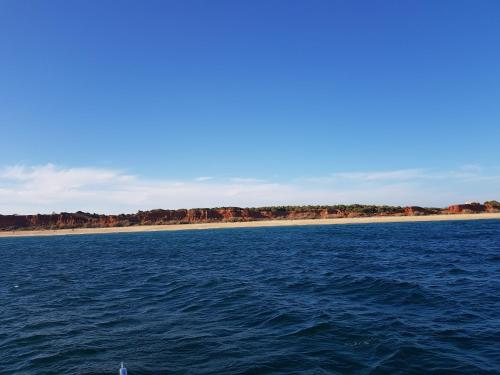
x=379 y=299
x=43 y=325
x=313 y=330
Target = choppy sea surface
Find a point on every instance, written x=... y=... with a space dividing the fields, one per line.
x=396 y=298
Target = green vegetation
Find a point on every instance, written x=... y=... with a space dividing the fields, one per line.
x=494 y=204
x=81 y=219
x=356 y=208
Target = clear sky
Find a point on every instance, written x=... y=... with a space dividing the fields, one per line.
x=209 y=103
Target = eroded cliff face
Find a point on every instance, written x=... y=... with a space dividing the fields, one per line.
x=419 y=211
x=156 y=217
x=226 y=214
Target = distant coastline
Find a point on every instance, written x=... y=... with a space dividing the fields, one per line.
x=251 y=224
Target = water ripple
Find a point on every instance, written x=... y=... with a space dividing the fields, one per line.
x=366 y=299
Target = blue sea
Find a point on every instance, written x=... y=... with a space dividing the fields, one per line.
x=395 y=298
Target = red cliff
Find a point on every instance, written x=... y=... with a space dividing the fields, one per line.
x=467 y=208
x=226 y=214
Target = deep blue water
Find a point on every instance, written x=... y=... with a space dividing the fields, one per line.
x=408 y=298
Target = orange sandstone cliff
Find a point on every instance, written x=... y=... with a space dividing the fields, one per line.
x=226 y=214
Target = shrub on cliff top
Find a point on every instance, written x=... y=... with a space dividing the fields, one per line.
x=494 y=204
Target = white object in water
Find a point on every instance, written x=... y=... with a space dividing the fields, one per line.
x=123 y=370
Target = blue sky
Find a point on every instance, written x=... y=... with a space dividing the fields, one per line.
x=331 y=101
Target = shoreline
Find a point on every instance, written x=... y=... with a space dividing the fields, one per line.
x=247 y=224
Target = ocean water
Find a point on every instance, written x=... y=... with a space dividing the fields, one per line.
x=407 y=298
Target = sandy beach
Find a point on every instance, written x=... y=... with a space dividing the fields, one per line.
x=248 y=224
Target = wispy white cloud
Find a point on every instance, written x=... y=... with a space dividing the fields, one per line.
x=203 y=178
x=47 y=188
x=395 y=175
x=245 y=180
x=468 y=172
x=402 y=174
